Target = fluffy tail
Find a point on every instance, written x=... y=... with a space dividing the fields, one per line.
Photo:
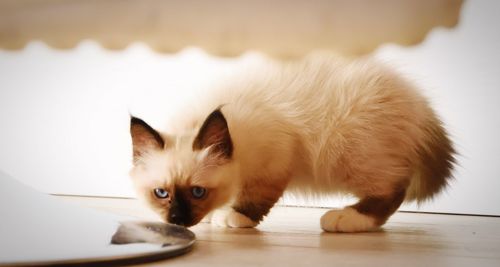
x=434 y=164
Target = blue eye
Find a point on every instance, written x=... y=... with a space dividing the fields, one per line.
x=198 y=192
x=161 y=193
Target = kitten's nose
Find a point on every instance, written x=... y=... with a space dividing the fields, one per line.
x=175 y=217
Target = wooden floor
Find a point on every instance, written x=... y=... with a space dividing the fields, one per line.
x=291 y=236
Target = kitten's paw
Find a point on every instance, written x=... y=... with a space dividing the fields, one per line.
x=231 y=218
x=347 y=220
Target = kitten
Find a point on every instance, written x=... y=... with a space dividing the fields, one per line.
x=320 y=126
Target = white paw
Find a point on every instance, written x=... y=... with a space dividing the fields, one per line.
x=347 y=220
x=231 y=218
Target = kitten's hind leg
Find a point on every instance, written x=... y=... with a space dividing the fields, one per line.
x=367 y=215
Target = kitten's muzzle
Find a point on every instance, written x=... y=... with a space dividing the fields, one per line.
x=179 y=213
x=175 y=216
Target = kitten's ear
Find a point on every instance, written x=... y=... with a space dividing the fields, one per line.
x=215 y=133
x=144 y=138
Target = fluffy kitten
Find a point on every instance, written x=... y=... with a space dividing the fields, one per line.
x=316 y=127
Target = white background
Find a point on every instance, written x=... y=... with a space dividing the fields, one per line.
x=64 y=114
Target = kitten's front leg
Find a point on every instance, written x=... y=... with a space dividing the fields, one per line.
x=253 y=203
x=228 y=217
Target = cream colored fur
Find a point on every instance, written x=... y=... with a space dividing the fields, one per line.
x=327 y=124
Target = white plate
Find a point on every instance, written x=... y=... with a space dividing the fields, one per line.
x=38 y=229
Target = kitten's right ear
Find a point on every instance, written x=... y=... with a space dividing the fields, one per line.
x=215 y=133
x=144 y=138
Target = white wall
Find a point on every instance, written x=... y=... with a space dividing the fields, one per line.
x=64 y=115
x=460 y=70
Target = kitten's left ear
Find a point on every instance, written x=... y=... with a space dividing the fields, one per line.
x=215 y=133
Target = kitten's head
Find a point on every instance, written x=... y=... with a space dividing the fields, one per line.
x=184 y=177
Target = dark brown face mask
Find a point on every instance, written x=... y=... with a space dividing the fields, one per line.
x=180 y=211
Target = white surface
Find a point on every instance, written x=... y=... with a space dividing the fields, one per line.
x=40 y=228
x=65 y=117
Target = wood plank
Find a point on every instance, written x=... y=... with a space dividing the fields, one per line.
x=291 y=236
